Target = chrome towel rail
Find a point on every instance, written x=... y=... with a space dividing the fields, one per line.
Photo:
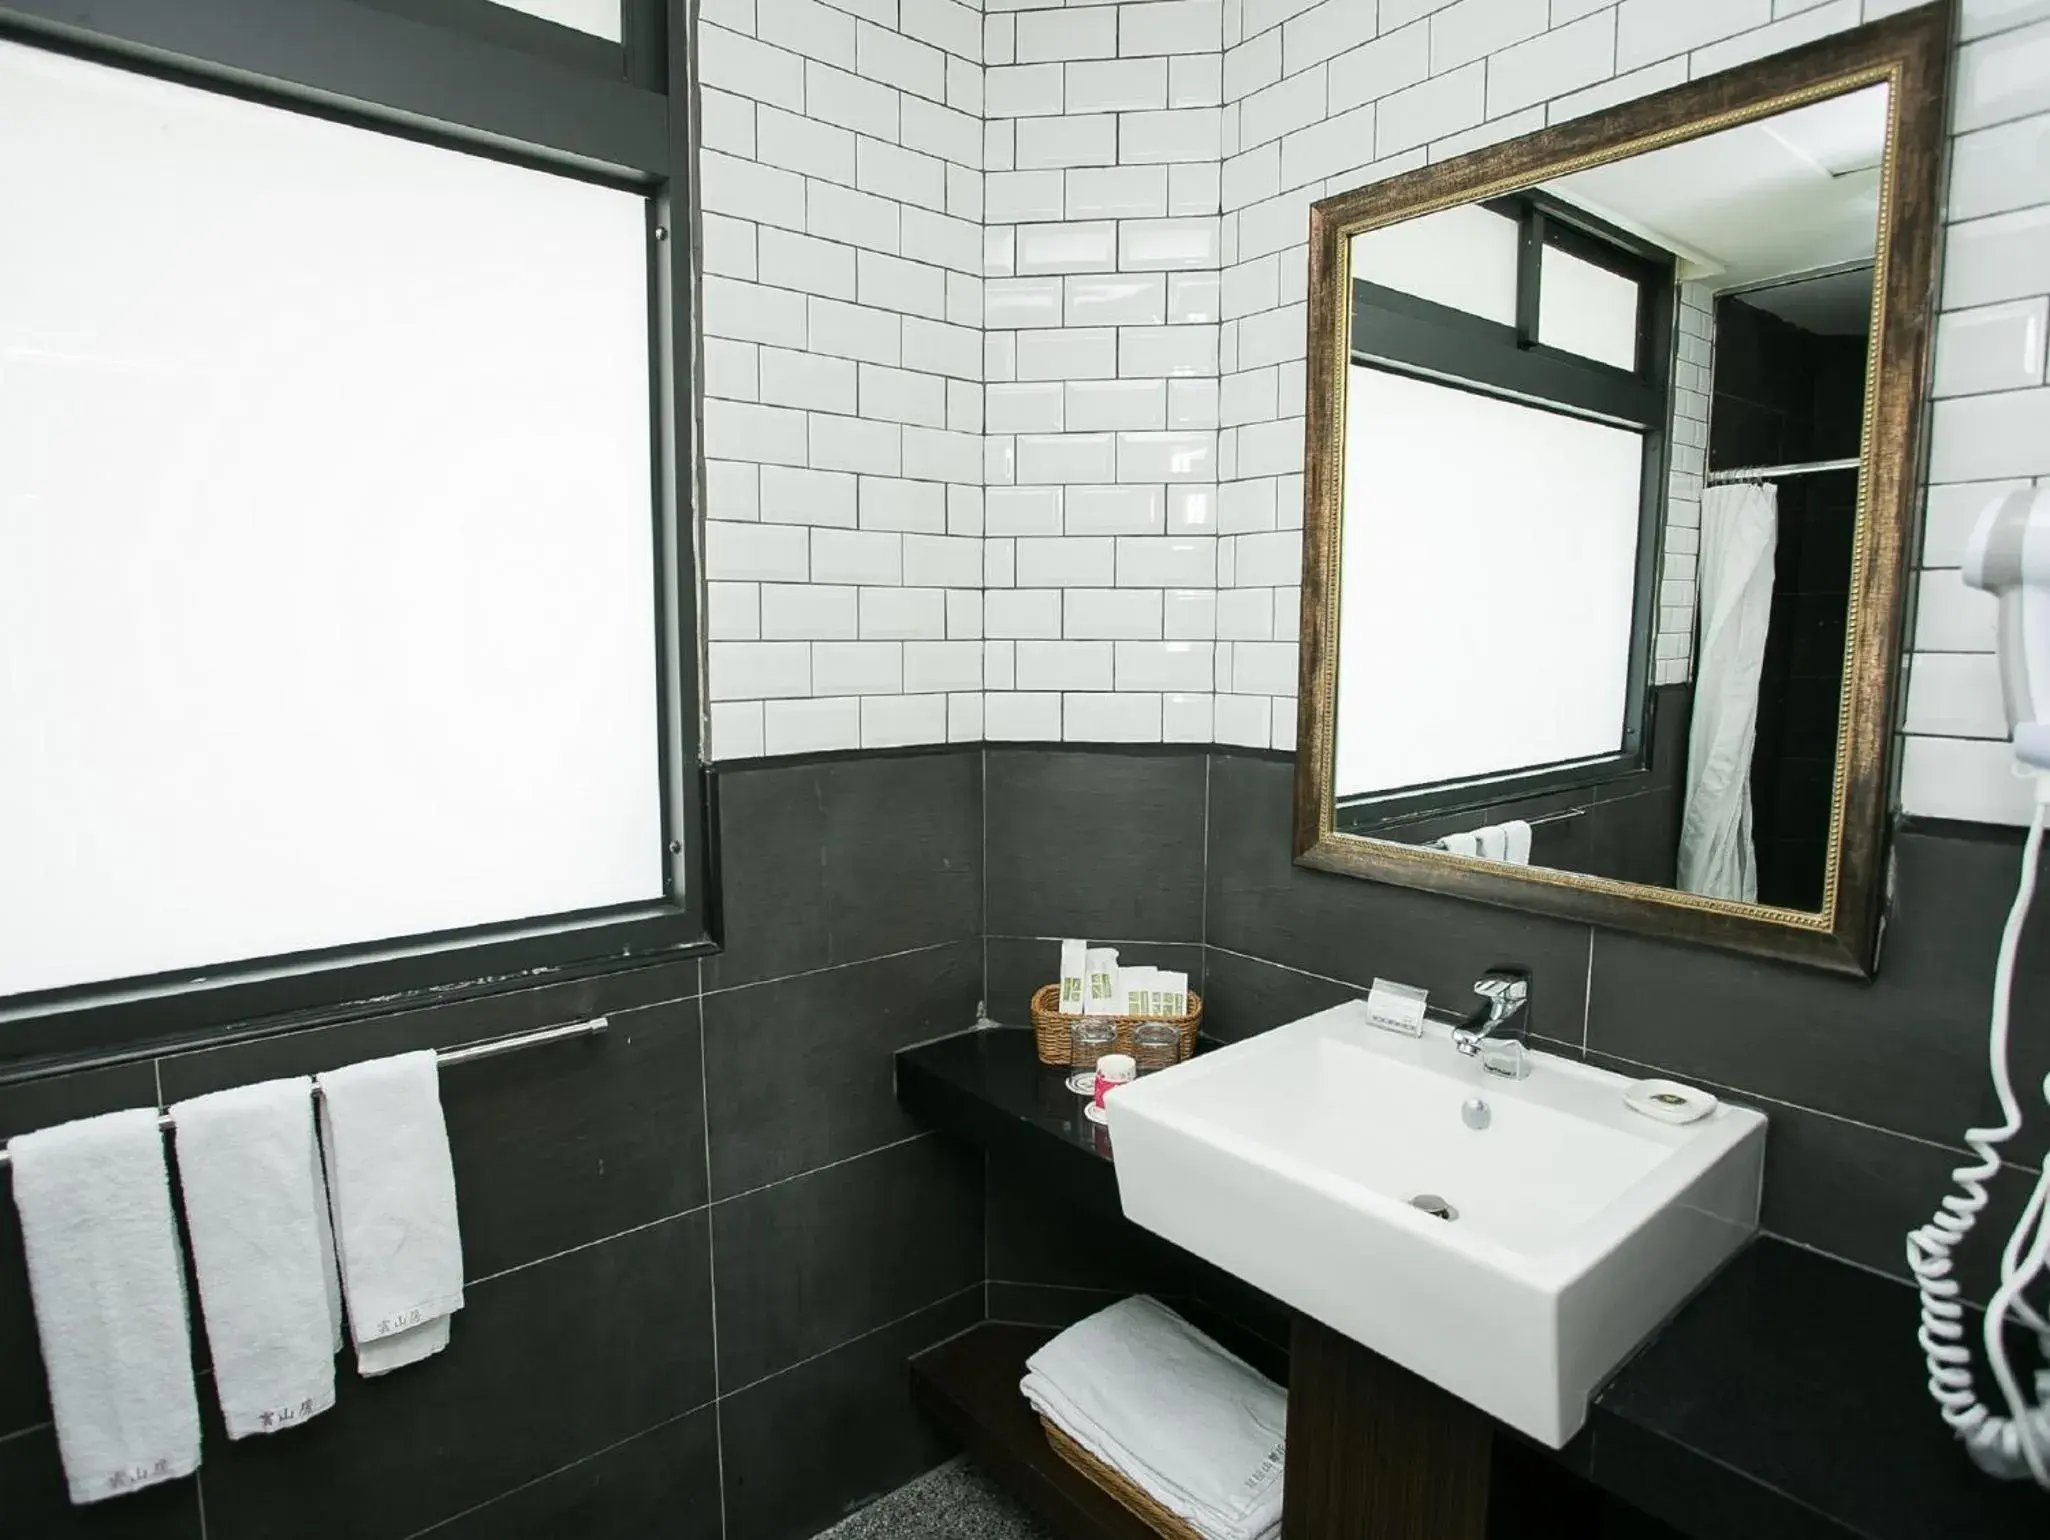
x=472 y=1053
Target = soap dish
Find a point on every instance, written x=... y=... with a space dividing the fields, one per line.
x=1668 y=1101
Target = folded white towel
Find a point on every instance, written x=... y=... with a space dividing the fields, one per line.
x=394 y=1196
x=1263 y=1520
x=109 y=1291
x=1493 y=840
x=1517 y=841
x=256 y=1207
x=1155 y=1399
x=1465 y=843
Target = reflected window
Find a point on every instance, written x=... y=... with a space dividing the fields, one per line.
x=600 y=18
x=1588 y=309
x=1506 y=450
x=1530 y=649
x=1464 y=258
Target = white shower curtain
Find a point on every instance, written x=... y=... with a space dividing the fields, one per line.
x=1739 y=530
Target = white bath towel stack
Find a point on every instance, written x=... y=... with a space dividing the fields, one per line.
x=393 y=1190
x=256 y=1208
x=109 y=1290
x=1193 y=1426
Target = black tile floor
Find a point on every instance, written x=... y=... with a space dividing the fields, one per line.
x=955 y=1502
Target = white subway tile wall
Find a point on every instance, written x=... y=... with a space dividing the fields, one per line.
x=1102 y=249
x=841 y=179
x=1004 y=313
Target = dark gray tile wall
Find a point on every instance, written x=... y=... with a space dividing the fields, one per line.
x=1869 y=1085
x=731 y=1151
x=734 y=1151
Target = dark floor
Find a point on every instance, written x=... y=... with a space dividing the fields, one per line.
x=955 y=1502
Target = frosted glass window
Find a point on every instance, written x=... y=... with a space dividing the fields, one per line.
x=1586 y=309
x=326 y=553
x=1485 y=600
x=598 y=17
x=1463 y=257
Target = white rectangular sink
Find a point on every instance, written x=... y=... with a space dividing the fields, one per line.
x=1579 y=1225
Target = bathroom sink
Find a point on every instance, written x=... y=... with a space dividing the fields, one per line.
x=1575 y=1224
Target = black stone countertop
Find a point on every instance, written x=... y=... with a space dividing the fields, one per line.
x=1786 y=1401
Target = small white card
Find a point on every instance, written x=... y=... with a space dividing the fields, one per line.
x=1398 y=1007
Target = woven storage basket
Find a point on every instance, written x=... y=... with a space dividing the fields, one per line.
x=1050 y=1027
x=1131 y=1498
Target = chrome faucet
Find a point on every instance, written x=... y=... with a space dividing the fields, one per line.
x=1498 y=1031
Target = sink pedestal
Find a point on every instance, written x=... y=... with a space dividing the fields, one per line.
x=1375 y=1452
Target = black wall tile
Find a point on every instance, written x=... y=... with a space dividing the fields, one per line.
x=803 y=1066
x=554 y=1147
x=1019 y=966
x=1035 y=1235
x=1855 y=1192
x=1248 y=995
x=843 y=860
x=806 y=1447
x=545 y=1366
x=1095 y=843
x=1046 y=1304
x=31 y=1105
x=810 y=1263
x=1263 y=905
x=1905 y=1051
x=664 y=1482
x=35 y=1504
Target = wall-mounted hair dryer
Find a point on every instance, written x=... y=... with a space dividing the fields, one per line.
x=2008 y=556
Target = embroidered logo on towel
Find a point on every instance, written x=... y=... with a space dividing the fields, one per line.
x=1266 y=1467
x=138 y=1475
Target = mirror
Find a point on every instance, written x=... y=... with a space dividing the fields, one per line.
x=1612 y=434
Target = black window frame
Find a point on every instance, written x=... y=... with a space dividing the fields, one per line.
x=1404 y=334
x=482 y=79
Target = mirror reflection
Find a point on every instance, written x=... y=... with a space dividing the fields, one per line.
x=1600 y=484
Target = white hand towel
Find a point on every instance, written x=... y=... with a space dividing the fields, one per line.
x=1467 y=843
x=394 y=1196
x=109 y=1291
x=1517 y=851
x=1157 y=1400
x=255 y=1207
x=1493 y=841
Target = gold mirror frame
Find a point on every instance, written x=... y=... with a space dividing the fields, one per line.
x=1910 y=54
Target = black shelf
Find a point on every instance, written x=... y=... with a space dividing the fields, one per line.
x=969 y=1386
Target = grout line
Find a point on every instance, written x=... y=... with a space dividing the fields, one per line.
x=1863 y=1267
x=199 y=1497
x=570 y=1251
x=845 y=1160
x=1203 y=922
x=932 y=1304
x=806 y=973
x=1073 y=1288
x=711 y=1263
x=34 y=1427
x=982 y=759
x=1587 y=1001
x=1740 y=1094
x=702 y=1208
x=550 y=1475
x=1288 y=967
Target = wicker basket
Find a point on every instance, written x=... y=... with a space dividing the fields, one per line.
x=1129 y=1497
x=1050 y=1027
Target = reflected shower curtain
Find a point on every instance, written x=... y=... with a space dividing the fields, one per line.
x=1739 y=530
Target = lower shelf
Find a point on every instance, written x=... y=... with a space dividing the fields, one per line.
x=970 y=1387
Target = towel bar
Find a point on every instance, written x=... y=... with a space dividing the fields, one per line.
x=471 y=1053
